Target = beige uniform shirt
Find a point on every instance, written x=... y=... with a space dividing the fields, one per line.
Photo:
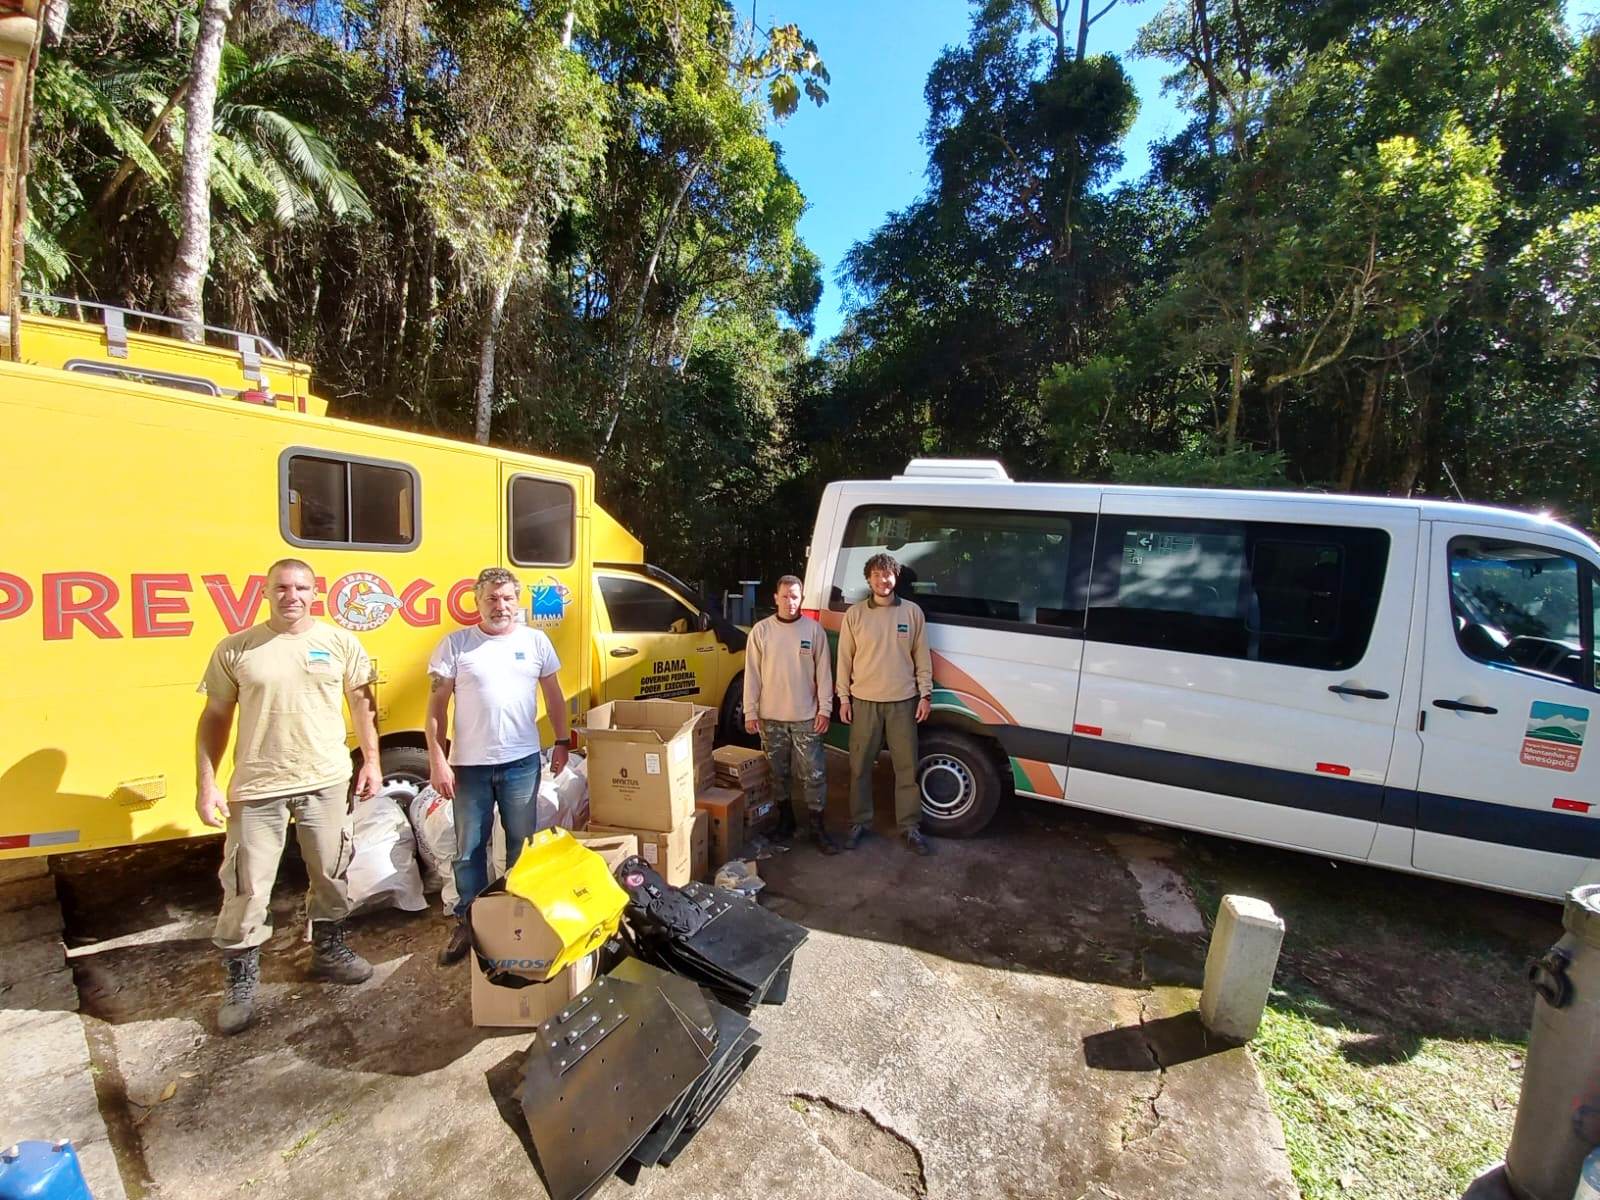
x=290 y=691
x=786 y=672
x=883 y=652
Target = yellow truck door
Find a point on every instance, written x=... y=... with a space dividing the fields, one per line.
x=651 y=644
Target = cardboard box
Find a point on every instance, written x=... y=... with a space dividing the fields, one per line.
x=613 y=847
x=760 y=813
x=739 y=766
x=673 y=853
x=724 y=809
x=524 y=1007
x=705 y=774
x=513 y=933
x=641 y=764
x=700 y=846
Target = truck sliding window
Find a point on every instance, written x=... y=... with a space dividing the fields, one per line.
x=987 y=568
x=330 y=499
x=542 y=522
x=1301 y=595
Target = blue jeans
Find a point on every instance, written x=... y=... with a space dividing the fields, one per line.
x=512 y=786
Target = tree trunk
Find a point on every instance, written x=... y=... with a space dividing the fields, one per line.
x=151 y=132
x=186 y=284
x=483 y=408
x=632 y=340
x=1361 y=439
x=1235 y=398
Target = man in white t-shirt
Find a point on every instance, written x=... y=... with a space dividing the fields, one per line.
x=495 y=670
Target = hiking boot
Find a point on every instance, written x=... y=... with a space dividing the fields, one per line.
x=243 y=973
x=819 y=835
x=458 y=945
x=852 y=839
x=786 y=825
x=918 y=844
x=331 y=959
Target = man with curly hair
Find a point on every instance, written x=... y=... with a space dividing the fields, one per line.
x=885 y=686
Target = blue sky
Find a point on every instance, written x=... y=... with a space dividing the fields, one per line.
x=860 y=156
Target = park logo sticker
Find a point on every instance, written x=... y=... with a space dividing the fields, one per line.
x=1555 y=736
x=548 y=601
x=362 y=601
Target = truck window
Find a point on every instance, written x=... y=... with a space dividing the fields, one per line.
x=542 y=513
x=1300 y=595
x=331 y=500
x=1520 y=607
x=639 y=607
x=970 y=566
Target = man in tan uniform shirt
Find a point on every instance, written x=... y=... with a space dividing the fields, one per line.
x=288 y=678
x=885 y=682
x=788 y=694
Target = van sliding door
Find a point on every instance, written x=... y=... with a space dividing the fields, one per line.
x=1240 y=675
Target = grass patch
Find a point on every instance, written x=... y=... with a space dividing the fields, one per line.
x=1418 y=1128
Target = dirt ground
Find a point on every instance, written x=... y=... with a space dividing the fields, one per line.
x=1012 y=1017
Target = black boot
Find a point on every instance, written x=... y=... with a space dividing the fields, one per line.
x=243 y=972
x=786 y=824
x=458 y=945
x=853 y=836
x=331 y=959
x=819 y=835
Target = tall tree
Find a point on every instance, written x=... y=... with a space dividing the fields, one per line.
x=187 y=279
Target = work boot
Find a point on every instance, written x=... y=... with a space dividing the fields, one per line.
x=819 y=835
x=786 y=825
x=852 y=839
x=331 y=959
x=458 y=945
x=243 y=973
x=918 y=844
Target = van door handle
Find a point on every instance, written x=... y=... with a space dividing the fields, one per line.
x=623 y=652
x=705 y=649
x=1463 y=706
x=1339 y=689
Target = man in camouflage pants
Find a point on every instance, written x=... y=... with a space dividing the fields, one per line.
x=788 y=695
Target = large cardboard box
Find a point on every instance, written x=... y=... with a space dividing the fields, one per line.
x=724 y=809
x=613 y=847
x=760 y=812
x=641 y=764
x=524 y=1007
x=741 y=767
x=672 y=854
x=700 y=846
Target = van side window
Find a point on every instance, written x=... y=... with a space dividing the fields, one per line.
x=639 y=607
x=1520 y=607
x=972 y=566
x=1300 y=595
x=542 y=513
x=329 y=500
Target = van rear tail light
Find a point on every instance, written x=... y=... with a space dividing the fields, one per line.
x=255 y=396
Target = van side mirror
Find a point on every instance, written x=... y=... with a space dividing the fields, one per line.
x=703 y=622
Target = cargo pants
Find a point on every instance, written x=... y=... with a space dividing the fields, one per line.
x=872 y=724
x=253 y=849
x=796 y=743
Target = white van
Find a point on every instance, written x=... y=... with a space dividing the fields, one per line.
x=1406 y=683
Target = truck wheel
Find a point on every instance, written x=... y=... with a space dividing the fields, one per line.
x=405 y=771
x=730 y=720
x=960 y=783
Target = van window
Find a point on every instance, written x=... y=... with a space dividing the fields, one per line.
x=970 y=566
x=639 y=607
x=542 y=512
x=1301 y=595
x=330 y=500
x=1520 y=606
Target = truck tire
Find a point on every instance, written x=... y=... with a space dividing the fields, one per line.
x=405 y=771
x=960 y=783
x=730 y=718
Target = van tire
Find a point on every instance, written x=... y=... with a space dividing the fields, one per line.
x=730 y=718
x=960 y=783
x=405 y=770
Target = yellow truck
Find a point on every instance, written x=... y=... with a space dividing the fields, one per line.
x=147 y=482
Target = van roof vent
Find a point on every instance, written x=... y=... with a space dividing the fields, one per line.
x=954 y=468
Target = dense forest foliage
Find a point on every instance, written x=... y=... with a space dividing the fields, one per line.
x=1367 y=262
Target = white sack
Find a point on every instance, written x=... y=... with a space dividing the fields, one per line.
x=383 y=865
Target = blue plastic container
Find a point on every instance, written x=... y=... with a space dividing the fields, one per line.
x=1589 y=1178
x=42 y=1171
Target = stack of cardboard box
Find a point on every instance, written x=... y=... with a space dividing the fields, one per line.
x=513 y=936
x=643 y=764
x=748 y=772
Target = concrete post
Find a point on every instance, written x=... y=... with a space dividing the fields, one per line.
x=1239 y=967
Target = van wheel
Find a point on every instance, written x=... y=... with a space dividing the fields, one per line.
x=405 y=772
x=959 y=781
x=730 y=720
